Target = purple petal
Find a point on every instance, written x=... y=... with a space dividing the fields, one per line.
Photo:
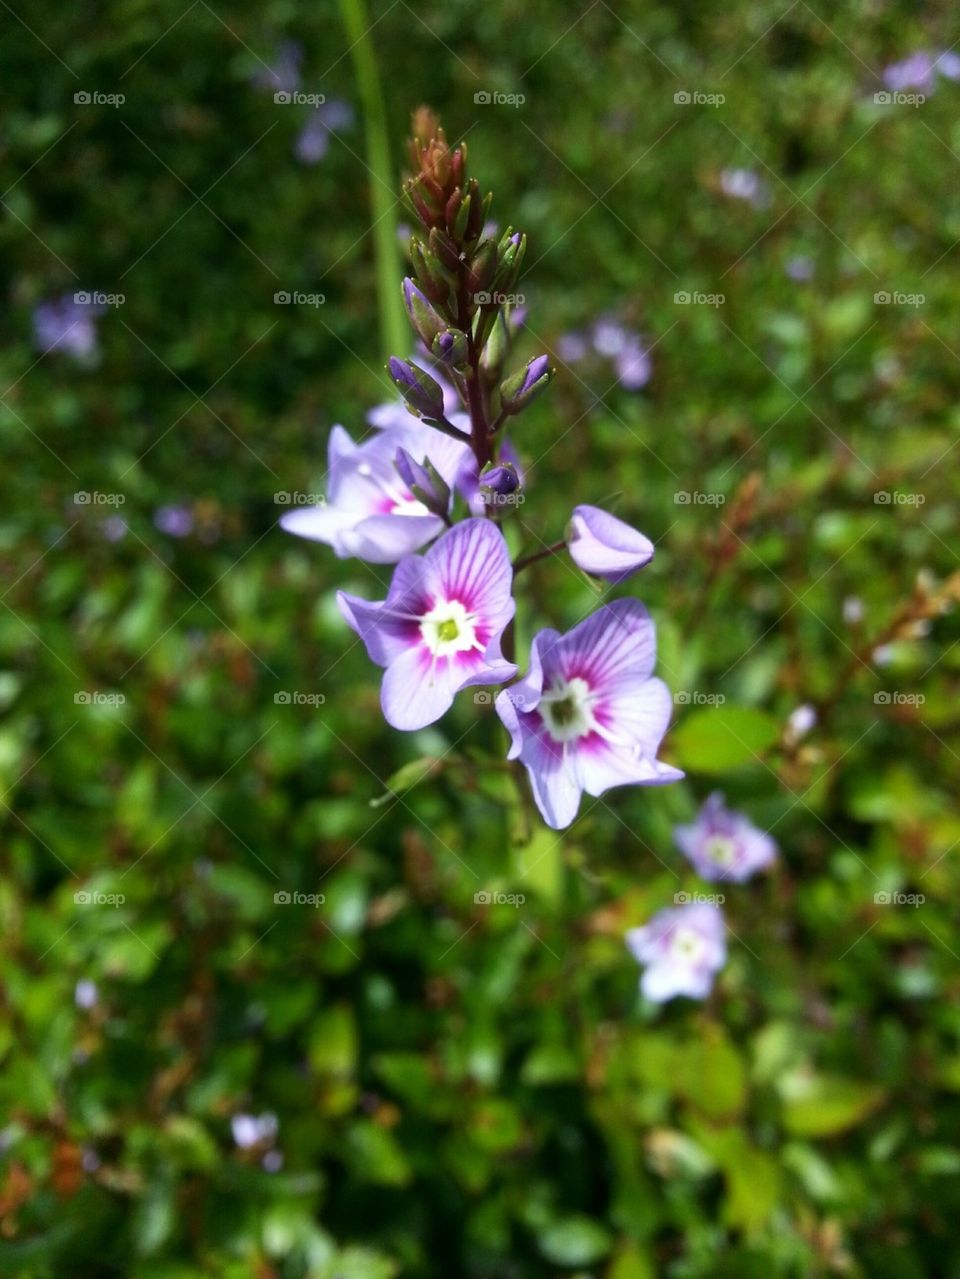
x=606 y=547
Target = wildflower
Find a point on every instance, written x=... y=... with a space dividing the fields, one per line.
x=745 y=184
x=313 y=142
x=920 y=70
x=85 y=994
x=439 y=629
x=66 y=325
x=370 y=511
x=283 y=75
x=722 y=844
x=681 y=949
x=604 y=546
x=799 y=722
x=174 y=520
x=252 y=1130
x=588 y=715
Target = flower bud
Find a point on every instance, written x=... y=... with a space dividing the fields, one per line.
x=431 y=276
x=496 y=347
x=424 y=482
x=501 y=479
x=522 y=387
x=483 y=267
x=422 y=394
x=426 y=323
x=450 y=347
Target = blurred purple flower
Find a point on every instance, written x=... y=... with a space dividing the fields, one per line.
x=439 y=629
x=283 y=74
x=86 y=994
x=920 y=70
x=588 y=714
x=723 y=844
x=114 y=528
x=251 y=1130
x=604 y=546
x=799 y=268
x=174 y=520
x=745 y=184
x=573 y=347
x=370 y=511
x=314 y=141
x=63 y=324
x=681 y=949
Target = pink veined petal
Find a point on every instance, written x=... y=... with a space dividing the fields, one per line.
x=639 y=714
x=471 y=564
x=613 y=648
x=386 y=636
x=524 y=696
x=417 y=690
x=383 y=539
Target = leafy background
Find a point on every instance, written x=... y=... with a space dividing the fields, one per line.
x=459 y=1088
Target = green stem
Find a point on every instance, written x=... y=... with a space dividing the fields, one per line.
x=394 y=333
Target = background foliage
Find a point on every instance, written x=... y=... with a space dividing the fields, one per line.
x=464 y=1089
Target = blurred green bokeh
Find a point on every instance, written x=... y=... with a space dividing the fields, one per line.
x=463 y=1089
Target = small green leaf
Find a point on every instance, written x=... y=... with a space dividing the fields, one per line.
x=717 y=738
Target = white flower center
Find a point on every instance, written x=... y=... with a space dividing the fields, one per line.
x=720 y=849
x=686 y=946
x=449 y=628
x=565 y=708
x=408 y=506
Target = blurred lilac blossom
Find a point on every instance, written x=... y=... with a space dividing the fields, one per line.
x=314 y=141
x=681 y=949
x=919 y=71
x=723 y=844
x=799 y=268
x=250 y=1130
x=174 y=520
x=745 y=184
x=283 y=73
x=63 y=324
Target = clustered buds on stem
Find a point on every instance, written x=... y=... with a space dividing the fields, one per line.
x=459 y=296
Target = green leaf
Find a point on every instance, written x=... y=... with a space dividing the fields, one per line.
x=821 y=1105
x=717 y=738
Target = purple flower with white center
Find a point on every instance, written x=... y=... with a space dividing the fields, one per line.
x=723 y=844
x=63 y=324
x=745 y=184
x=681 y=949
x=370 y=511
x=313 y=142
x=604 y=546
x=439 y=629
x=588 y=715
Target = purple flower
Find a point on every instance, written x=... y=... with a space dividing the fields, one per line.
x=799 y=268
x=284 y=74
x=438 y=631
x=604 y=546
x=175 y=521
x=314 y=140
x=63 y=324
x=370 y=511
x=744 y=184
x=722 y=844
x=588 y=715
x=572 y=347
x=633 y=366
x=680 y=949
x=251 y=1130
x=920 y=70
x=85 y=994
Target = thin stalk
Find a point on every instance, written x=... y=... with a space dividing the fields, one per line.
x=394 y=333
